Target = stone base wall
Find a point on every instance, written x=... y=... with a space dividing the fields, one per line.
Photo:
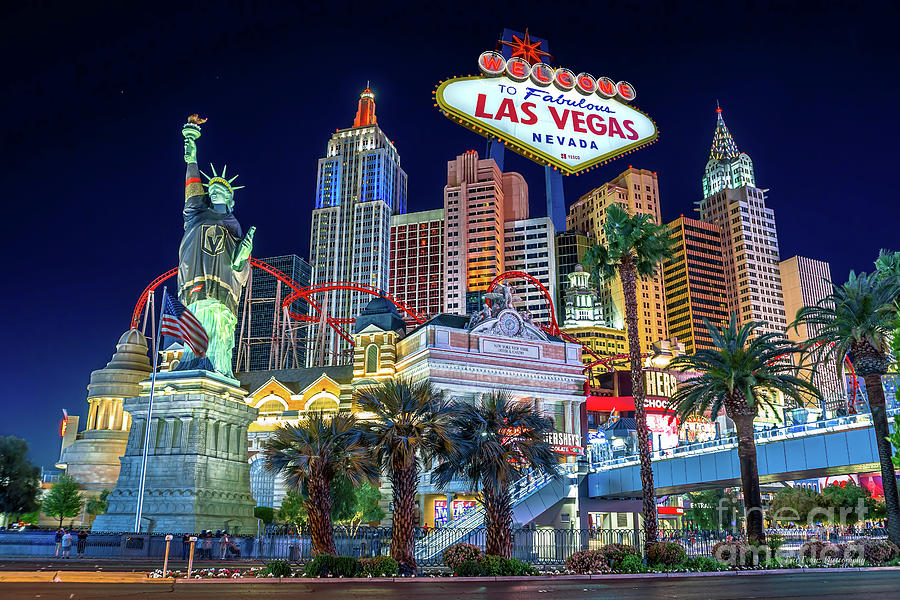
x=197 y=476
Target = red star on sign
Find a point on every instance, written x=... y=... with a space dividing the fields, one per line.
x=525 y=48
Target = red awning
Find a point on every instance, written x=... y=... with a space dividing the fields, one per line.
x=654 y=404
x=610 y=403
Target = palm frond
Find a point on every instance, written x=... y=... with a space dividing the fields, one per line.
x=632 y=239
x=740 y=373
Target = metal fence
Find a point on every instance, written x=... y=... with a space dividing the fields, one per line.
x=535 y=546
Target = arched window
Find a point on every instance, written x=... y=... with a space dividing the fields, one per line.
x=271 y=406
x=372 y=359
x=262 y=484
x=324 y=402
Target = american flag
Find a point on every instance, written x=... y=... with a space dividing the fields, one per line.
x=180 y=323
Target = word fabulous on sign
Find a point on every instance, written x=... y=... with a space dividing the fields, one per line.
x=551 y=116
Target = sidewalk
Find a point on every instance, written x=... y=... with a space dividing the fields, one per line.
x=116 y=564
x=120 y=577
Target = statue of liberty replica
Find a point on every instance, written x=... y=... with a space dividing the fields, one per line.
x=213 y=260
x=197 y=474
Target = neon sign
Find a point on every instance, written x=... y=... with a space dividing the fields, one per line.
x=552 y=116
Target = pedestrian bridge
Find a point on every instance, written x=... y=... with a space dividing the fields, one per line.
x=822 y=448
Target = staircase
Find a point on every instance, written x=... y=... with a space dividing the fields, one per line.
x=527 y=501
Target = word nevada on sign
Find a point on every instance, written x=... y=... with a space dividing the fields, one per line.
x=551 y=116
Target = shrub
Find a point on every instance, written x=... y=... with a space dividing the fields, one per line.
x=492 y=565
x=325 y=565
x=278 y=568
x=633 y=564
x=873 y=552
x=380 y=566
x=519 y=568
x=739 y=554
x=820 y=551
x=703 y=564
x=460 y=553
x=774 y=541
x=613 y=554
x=666 y=553
x=468 y=568
x=585 y=562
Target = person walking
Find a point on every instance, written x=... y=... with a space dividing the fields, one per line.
x=225 y=541
x=82 y=542
x=66 y=544
x=185 y=545
x=58 y=540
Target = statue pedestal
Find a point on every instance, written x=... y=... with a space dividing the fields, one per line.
x=198 y=476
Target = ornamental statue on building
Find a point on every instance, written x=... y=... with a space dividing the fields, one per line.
x=213 y=259
x=500 y=317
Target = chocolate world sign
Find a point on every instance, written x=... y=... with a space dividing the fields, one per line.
x=549 y=115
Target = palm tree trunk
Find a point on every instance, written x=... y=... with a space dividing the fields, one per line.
x=875 y=393
x=628 y=275
x=750 y=478
x=498 y=521
x=318 y=510
x=403 y=531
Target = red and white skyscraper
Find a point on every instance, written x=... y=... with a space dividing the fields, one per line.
x=417 y=261
x=360 y=185
x=488 y=232
x=478 y=199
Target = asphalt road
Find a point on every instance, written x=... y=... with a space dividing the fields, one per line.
x=885 y=584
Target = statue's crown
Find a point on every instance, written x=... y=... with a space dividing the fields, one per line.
x=220 y=179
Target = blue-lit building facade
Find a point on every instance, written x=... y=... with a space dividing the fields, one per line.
x=360 y=185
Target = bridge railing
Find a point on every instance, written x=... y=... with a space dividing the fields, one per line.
x=599 y=459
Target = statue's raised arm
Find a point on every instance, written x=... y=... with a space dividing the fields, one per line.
x=193 y=185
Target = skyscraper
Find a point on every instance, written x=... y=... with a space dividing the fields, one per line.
x=584 y=321
x=264 y=332
x=360 y=185
x=530 y=248
x=637 y=190
x=749 y=239
x=571 y=247
x=478 y=199
x=806 y=283
x=417 y=261
x=694 y=277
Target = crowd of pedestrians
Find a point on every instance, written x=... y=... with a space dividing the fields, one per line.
x=66 y=538
x=224 y=545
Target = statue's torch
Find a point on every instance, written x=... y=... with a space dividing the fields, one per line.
x=190 y=131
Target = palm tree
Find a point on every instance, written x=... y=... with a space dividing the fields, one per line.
x=309 y=455
x=635 y=247
x=856 y=321
x=411 y=423
x=504 y=439
x=741 y=374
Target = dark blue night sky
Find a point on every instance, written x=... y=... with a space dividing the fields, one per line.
x=94 y=98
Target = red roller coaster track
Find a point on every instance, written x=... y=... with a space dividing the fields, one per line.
x=306 y=293
x=299 y=293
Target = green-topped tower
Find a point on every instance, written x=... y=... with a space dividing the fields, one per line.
x=749 y=239
x=727 y=166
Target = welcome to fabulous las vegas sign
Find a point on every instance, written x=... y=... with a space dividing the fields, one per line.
x=549 y=115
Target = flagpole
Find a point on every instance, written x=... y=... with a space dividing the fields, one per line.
x=140 y=499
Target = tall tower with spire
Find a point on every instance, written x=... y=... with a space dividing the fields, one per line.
x=360 y=185
x=749 y=238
